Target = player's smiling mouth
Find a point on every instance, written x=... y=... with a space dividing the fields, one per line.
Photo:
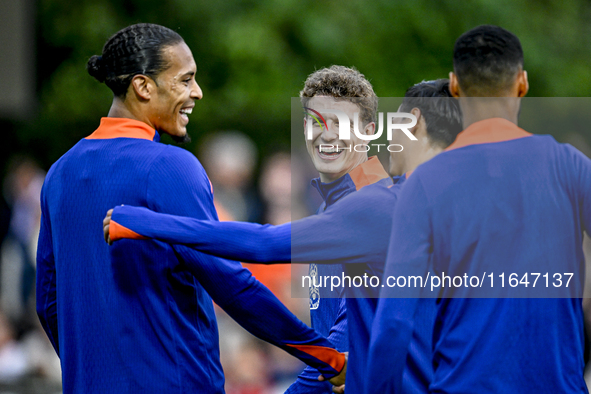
x=329 y=152
x=185 y=112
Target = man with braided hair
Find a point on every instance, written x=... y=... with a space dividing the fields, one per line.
x=139 y=317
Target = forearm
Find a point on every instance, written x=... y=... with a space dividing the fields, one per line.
x=47 y=303
x=254 y=307
x=308 y=383
x=347 y=233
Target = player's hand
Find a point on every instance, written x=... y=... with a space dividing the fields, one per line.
x=106 y=223
x=339 y=380
x=338 y=389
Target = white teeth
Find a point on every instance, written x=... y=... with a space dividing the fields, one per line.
x=329 y=150
x=186 y=111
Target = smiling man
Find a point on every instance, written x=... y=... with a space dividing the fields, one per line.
x=139 y=317
x=334 y=157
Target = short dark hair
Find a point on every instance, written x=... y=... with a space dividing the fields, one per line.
x=136 y=49
x=487 y=60
x=440 y=110
x=342 y=82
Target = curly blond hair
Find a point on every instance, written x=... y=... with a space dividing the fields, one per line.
x=342 y=82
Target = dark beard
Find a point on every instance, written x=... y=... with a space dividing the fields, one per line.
x=185 y=139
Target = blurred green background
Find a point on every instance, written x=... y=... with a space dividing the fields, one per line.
x=252 y=56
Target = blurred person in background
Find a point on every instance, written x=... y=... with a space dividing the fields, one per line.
x=22 y=187
x=230 y=159
x=276 y=187
x=281 y=186
x=25 y=351
x=13 y=358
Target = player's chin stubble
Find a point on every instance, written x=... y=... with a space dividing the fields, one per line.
x=185 y=139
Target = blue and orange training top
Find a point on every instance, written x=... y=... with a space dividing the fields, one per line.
x=498 y=200
x=138 y=316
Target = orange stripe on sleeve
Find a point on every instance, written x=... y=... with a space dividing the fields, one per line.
x=330 y=356
x=117 y=231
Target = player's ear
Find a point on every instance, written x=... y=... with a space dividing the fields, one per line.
x=417 y=113
x=522 y=83
x=143 y=86
x=369 y=128
x=454 y=86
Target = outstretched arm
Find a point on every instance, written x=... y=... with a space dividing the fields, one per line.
x=242 y=241
x=354 y=230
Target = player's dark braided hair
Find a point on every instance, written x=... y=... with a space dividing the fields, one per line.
x=136 y=49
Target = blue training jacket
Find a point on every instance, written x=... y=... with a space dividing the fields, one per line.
x=500 y=200
x=138 y=316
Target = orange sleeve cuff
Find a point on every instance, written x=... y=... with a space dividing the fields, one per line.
x=330 y=356
x=117 y=232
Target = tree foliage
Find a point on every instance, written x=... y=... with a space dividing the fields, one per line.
x=252 y=56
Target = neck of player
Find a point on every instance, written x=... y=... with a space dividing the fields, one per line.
x=475 y=109
x=331 y=177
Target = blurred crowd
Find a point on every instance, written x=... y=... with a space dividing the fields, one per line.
x=27 y=359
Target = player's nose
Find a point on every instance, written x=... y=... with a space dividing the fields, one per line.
x=196 y=92
x=331 y=132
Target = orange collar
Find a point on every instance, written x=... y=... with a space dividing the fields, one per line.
x=367 y=173
x=122 y=128
x=487 y=131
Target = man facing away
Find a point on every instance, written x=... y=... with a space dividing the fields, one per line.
x=139 y=317
x=499 y=200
